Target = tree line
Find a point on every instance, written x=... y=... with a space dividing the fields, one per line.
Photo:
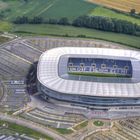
x=106 y=24
x=93 y=22
x=40 y=20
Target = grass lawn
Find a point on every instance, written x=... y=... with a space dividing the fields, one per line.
x=101 y=11
x=3 y=39
x=24 y=130
x=63 y=131
x=98 y=123
x=58 y=30
x=5 y=26
x=81 y=125
x=98 y=74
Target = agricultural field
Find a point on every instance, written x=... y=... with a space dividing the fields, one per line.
x=3 y=5
x=45 y=8
x=10 y=9
x=70 y=31
x=122 y=5
x=105 y=12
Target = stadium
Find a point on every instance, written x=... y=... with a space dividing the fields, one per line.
x=90 y=77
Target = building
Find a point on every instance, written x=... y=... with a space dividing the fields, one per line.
x=90 y=77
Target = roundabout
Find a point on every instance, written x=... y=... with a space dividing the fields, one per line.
x=98 y=123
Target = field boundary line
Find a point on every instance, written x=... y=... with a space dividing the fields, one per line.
x=45 y=9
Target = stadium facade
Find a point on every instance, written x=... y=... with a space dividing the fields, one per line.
x=90 y=77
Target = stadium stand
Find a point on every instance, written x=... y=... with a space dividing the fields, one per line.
x=98 y=65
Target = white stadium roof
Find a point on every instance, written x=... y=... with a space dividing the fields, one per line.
x=48 y=74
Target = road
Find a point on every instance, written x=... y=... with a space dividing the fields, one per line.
x=32 y=125
x=4 y=96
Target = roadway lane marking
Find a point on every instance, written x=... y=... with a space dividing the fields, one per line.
x=30 y=47
x=17 y=56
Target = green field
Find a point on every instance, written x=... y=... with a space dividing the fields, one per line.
x=101 y=11
x=5 y=26
x=63 y=131
x=45 y=8
x=62 y=8
x=58 y=30
x=23 y=130
x=81 y=125
x=98 y=123
x=3 y=39
x=57 y=9
x=97 y=74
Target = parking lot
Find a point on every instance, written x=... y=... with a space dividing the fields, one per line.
x=17 y=57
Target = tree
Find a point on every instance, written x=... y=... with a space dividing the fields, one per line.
x=81 y=21
x=64 y=21
x=37 y=20
x=132 y=11
x=1 y=16
x=21 y=20
x=106 y=24
x=52 y=21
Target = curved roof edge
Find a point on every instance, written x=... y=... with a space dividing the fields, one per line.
x=47 y=73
